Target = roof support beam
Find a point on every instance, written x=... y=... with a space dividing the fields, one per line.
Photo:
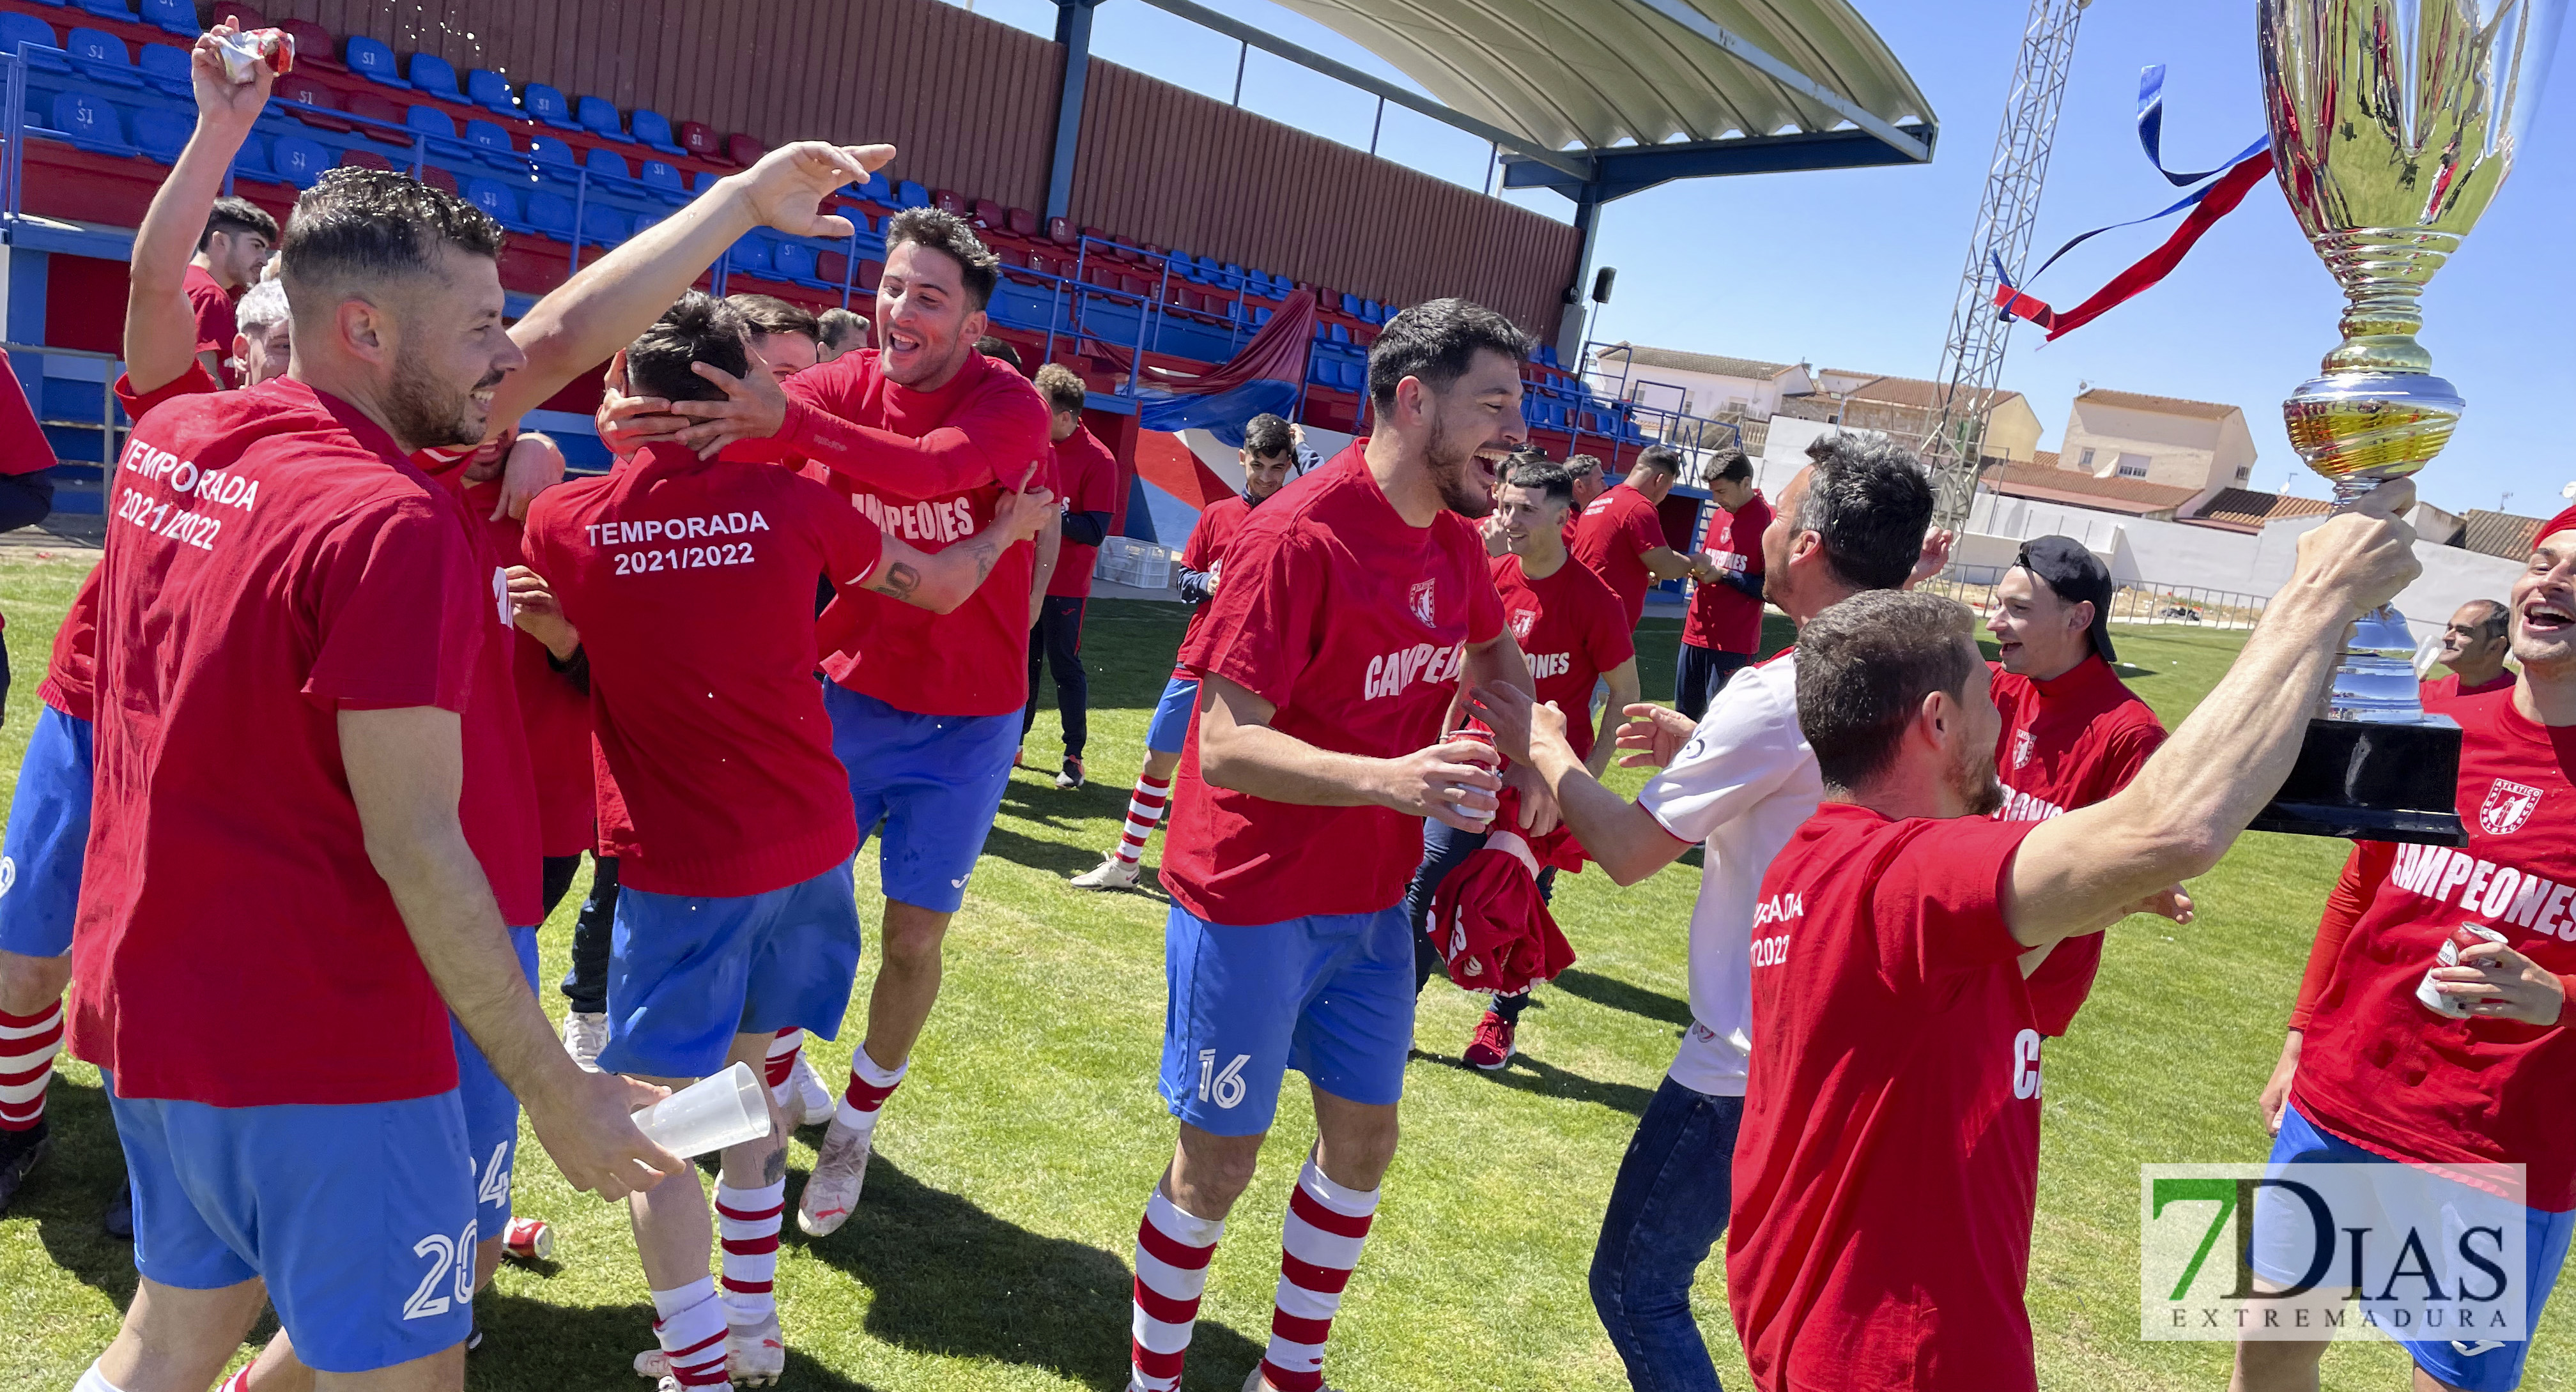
x=1628 y=169
x=1571 y=165
x=1913 y=149
x=1073 y=33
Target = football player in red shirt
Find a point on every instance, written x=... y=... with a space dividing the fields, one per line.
x=1723 y=631
x=1890 y=1250
x=1268 y=456
x=1088 y=475
x=1353 y=604
x=2370 y=1069
x=2073 y=731
x=233 y=246
x=1574 y=632
x=1620 y=535
x=2474 y=644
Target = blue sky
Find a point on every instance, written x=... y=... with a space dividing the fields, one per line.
x=1858 y=269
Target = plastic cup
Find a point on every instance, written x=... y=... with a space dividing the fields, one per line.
x=726 y=1110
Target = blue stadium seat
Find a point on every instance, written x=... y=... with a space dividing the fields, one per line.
x=498 y=199
x=102 y=57
x=750 y=256
x=435 y=126
x=90 y=124
x=599 y=117
x=436 y=76
x=165 y=67
x=1354 y=374
x=552 y=156
x=1337 y=333
x=604 y=163
x=546 y=104
x=162 y=133
x=370 y=59
x=644 y=220
x=664 y=180
x=251 y=161
x=110 y=9
x=299 y=161
x=24 y=30
x=602 y=225
x=654 y=130
x=706 y=180
x=486 y=89
x=1261 y=315
x=794 y=261
x=172 y=17
x=491 y=144
x=551 y=214
x=911 y=195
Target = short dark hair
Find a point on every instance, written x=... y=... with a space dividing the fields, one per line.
x=1869 y=503
x=2492 y=626
x=1435 y=341
x=1540 y=475
x=993 y=347
x=836 y=326
x=768 y=314
x=697 y=328
x=1583 y=463
x=1864 y=667
x=1658 y=459
x=237 y=215
x=1733 y=468
x=368 y=225
x=945 y=232
x=1268 y=436
x=1062 y=388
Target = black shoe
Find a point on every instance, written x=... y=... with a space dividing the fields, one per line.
x=1071 y=778
x=118 y=1221
x=20 y=1153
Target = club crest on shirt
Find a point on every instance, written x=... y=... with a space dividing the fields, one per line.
x=1424 y=601
x=1522 y=623
x=2508 y=806
x=2023 y=746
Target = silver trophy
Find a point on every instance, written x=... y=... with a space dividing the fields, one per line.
x=2393 y=124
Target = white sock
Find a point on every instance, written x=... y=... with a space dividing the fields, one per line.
x=691 y=1328
x=94 y=1381
x=747 y=1227
x=869 y=1088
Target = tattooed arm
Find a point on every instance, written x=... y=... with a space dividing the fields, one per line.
x=940 y=581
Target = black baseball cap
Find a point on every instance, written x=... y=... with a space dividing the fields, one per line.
x=2076 y=575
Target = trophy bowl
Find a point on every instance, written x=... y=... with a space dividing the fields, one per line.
x=2393 y=124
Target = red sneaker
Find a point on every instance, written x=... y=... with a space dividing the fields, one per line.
x=1492 y=1046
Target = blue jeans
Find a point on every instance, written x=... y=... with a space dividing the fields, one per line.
x=1667 y=1209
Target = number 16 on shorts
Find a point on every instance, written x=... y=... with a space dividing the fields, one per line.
x=1224 y=1087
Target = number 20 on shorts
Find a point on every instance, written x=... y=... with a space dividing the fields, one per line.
x=1223 y=1088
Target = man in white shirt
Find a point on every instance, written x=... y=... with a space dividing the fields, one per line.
x=1740 y=782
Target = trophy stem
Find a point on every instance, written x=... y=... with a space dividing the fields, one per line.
x=2375 y=679
x=2383 y=272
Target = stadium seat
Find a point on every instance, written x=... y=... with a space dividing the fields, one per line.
x=551 y=214
x=796 y=261
x=644 y=220
x=22 y=30
x=750 y=256
x=299 y=161
x=165 y=68
x=90 y=124
x=364 y=159
x=251 y=161
x=434 y=126
x=436 y=178
x=653 y=130
x=102 y=57
x=370 y=59
x=1021 y=221
x=602 y=225
x=109 y=9
x=491 y=144
x=172 y=17
x=700 y=141
x=245 y=17
x=831 y=267
x=607 y=164
x=295 y=88
x=1060 y=231
x=989 y=215
x=948 y=201
x=435 y=76
x=162 y=133
x=498 y=199
x=486 y=89
x=372 y=106
x=314 y=47
x=554 y=157
x=664 y=180
x=869 y=273
x=909 y=194
x=705 y=180
x=600 y=118
x=545 y=104
x=743 y=150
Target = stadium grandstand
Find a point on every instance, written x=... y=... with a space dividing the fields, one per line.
x=1162 y=244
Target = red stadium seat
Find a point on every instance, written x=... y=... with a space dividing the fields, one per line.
x=700 y=141
x=1060 y=231
x=376 y=108
x=364 y=159
x=438 y=178
x=311 y=93
x=1022 y=222
x=314 y=46
x=989 y=215
x=948 y=201
x=743 y=150
x=242 y=15
x=831 y=266
x=868 y=273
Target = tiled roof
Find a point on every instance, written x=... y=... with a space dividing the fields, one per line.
x=2048 y=483
x=2043 y=459
x=1712 y=364
x=2161 y=405
x=1903 y=391
x=2244 y=510
x=2505 y=534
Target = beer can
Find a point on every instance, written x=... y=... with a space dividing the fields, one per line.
x=528 y=1239
x=244 y=52
x=2464 y=936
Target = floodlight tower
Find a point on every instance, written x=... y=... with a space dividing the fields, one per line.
x=1972 y=359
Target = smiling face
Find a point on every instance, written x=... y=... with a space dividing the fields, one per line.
x=269 y=357
x=2037 y=634
x=1533 y=523
x=2544 y=607
x=1264 y=474
x=450 y=351
x=924 y=317
x=783 y=354
x=1468 y=429
x=1972 y=751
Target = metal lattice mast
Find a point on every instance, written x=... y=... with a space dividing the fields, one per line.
x=1972 y=360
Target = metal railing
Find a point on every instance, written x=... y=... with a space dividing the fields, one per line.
x=2144 y=602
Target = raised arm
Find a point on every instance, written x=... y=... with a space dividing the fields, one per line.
x=160 y=327
x=2194 y=797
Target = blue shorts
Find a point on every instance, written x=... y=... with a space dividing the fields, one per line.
x=936 y=782
x=1330 y=996
x=40 y=861
x=2482 y=1365
x=1172 y=716
x=491 y=1112
x=685 y=975
x=360 y=1218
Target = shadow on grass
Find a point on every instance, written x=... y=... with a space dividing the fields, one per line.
x=954 y=1280
x=68 y=1193
x=1036 y=854
x=1543 y=1079
x=1619 y=995
x=532 y=1343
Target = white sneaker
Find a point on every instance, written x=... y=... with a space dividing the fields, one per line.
x=832 y=1191
x=808 y=1096
x=1112 y=873
x=755 y=1356
x=584 y=1035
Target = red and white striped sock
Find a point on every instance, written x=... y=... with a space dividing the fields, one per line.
x=747 y=1225
x=1144 y=813
x=869 y=1088
x=28 y=1044
x=238 y=1382
x=1320 y=1244
x=691 y=1326
x=782 y=1056
x=1172 y=1252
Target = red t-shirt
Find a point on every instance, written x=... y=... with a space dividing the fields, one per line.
x=1721 y=616
x=1612 y=534
x=926 y=467
x=2068 y=742
x=23 y=446
x=2446 y=687
x=553 y=711
x=2379 y=1069
x=216 y=327
x=1888 y=1163
x=692 y=582
x=1205 y=551
x=1571 y=629
x=272 y=560
x=1088 y=475
x=1353 y=624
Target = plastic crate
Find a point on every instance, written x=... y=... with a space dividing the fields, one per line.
x=1136 y=564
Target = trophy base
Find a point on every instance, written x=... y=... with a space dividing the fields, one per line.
x=2372 y=781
